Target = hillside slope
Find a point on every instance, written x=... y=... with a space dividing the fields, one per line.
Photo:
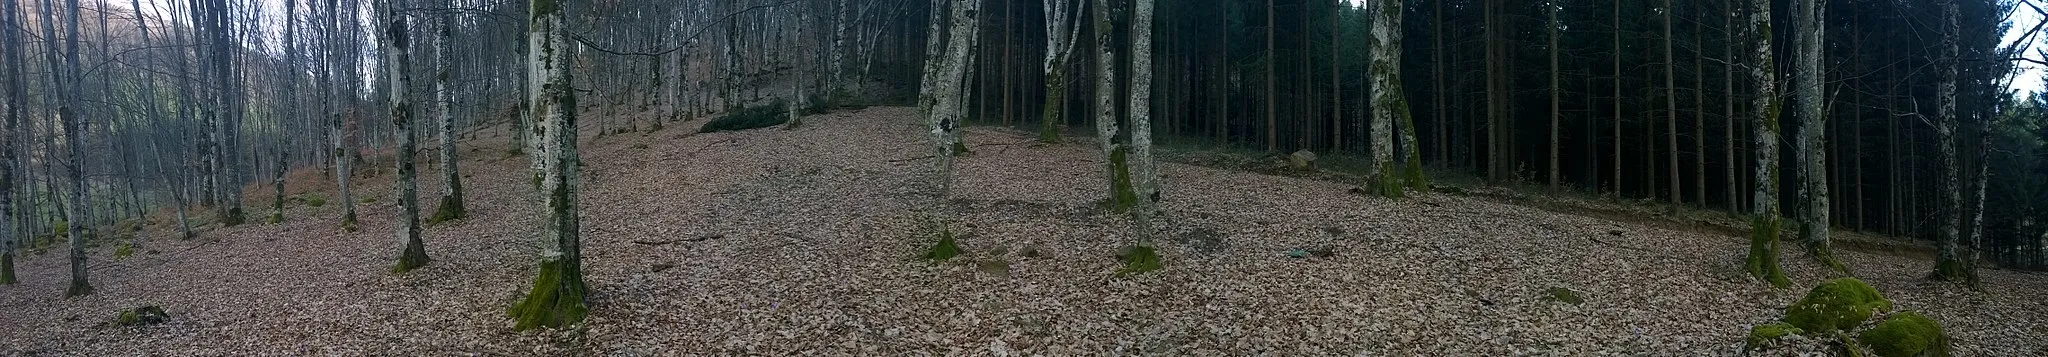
x=800 y=241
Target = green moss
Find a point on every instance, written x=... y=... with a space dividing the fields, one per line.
x=1388 y=185
x=140 y=316
x=1139 y=260
x=348 y=222
x=1563 y=295
x=1762 y=262
x=772 y=114
x=556 y=300
x=276 y=217
x=946 y=248
x=451 y=208
x=1763 y=334
x=1125 y=195
x=7 y=268
x=960 y=148
x=125 y=250
x=1838 y=304
x=1954 y=271
x=367 y=200
x=1907 y=334
x=316 y=200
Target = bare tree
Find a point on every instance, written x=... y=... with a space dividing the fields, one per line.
x=398 y=58
x=1765 y=224
x=557 y=299
x=1951 y=262
x=451 y=207
x=1808 y=24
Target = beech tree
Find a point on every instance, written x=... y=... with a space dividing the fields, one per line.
x=1765 y=223
x=1814 y=223
x=398 y=59
x=557 y=298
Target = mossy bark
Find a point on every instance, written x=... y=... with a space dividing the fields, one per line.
x=1123 y=195
x=413 y=254
x=451 y=208
x=557 y=299
x=1762 y=262
x=1055 y=103
x=232 y=216
x=7 y=267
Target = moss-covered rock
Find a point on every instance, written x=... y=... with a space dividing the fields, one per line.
x=141 y=316
x=1836 y=305
x=1907 y=334
x=1762 y=335
x=775 y=113
x=315 y=200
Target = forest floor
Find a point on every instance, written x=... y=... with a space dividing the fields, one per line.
x=802 y=242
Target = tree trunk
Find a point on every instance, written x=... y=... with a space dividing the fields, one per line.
x=1147 y=173
x=1808 y=24
x=1550 y=10
x=1671 y=108
x=451 y=206
x=1272 y=64
x=1951 y=262
x=65 y=81
x=1116 y=165
x=398 y=58
x=1728 y=111
x=557 y=299
x=1059 y=47
x=10 y=49
x=1617 y=99
x=1765 y=223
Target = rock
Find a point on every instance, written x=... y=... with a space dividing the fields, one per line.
x=1907 y=334
x=142 y=316
x=1303 y=159
x=1838 y=304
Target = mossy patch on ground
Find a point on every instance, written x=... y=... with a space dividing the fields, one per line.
x=124 y=250
x=1907 y=334
x=1563 y=295
x=314 y=200
x=772 y=114
x=1836 y=305
x=1762 y=335
x=1139 y=260
x=141 y=316
x=946 y=248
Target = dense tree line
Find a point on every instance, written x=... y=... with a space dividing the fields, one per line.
x=1879 y=116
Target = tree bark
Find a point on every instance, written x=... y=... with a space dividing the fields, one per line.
x=1059 y=48
x=1951 y=262
x=398 y=58
x=451 y=206
x=11 y=36
x=557 y=298
x=1808 y=24
x=1147 y=174
x=1550 y=11
x=1765 y=224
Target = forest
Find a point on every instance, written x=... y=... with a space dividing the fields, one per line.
x=1024 y=177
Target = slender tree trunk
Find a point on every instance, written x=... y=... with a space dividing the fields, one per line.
x=451 y=206
x=398 y=58
x=1765 y=223
x=1671 y=107
x=1699 y=102
x=1617 y=99
x=1951 y=262
x=1116 y=166
x=1061 y=33
x=557 y=298
x=1272 y=64
x=1728 y=112
x=1808 y=24
x=1550 y=10
x=11 y=36
x=65 y=80
x=1147 y=173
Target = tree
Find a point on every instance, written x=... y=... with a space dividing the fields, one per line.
x=1550 y=10
x=1671 y=106
x=16 y=102
x=1951 y=264
x=398 y=58
x=1808 y=23
x=949 y=98
x=288 y=84
x=1389 y=103
x=1147 y=175
x=1765 y=223
x=65 y=77
x=557 y=299
x=1061 y=33
x=338 y=122
x=451 y=207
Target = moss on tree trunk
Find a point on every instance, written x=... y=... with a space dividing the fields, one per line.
x=414 y=256
x=557 y=297
x=1124 y=195
x=1762 y=262
x=451 y=208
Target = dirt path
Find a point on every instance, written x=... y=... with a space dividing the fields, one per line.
x=799 y=241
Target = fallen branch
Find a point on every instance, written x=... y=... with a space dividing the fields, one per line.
x=674 y=241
